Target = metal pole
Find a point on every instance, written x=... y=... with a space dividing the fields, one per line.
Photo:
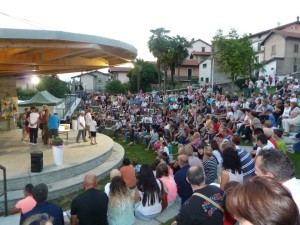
x=212 y=72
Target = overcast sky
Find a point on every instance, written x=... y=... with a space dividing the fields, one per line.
x=131 y=20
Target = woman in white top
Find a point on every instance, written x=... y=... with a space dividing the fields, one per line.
x=232 y=167
x=147 y=195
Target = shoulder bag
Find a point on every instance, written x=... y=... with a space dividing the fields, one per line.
x=164 y=195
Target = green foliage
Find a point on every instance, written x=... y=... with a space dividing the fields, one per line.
x=240 y=81
x=74 y=116
x=234 y=55
x=114 y=87
x=25 y=94
x=169 y=51
x=194 y=80
x=57 y=141
x=53 y=85
x=148 y=75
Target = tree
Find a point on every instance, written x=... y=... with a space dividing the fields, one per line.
x=114 y=87
x=53 y=85
x=142 y=75
x=169 y=51
x=25 y=94
x=234 y=55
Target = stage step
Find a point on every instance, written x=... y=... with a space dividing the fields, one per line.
x=73 y=183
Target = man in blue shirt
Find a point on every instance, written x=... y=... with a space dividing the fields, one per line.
x=184 y=189
x=53 y=124
x=40 y=194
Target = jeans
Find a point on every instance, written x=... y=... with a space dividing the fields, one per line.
x=33 y=135
x=81 y=132
x=296 y=146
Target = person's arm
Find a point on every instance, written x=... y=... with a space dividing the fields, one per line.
x=224 y=179
x=74 y=220
x=15 y=210
x=136 y=196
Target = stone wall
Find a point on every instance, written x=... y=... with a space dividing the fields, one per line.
x=7 y=87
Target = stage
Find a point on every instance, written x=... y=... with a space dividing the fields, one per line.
x=78 y=159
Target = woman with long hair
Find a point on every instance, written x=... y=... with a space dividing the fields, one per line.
x=232 y=167
x=261 y=201
x=147 y=195
x=120 y=205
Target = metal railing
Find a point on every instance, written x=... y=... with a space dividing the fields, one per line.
x=69 y=100
x=4 y=190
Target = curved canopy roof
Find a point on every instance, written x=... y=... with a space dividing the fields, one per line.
x=54 y=52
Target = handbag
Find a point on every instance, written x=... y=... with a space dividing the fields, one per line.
x=209 y=200
x=164 y=195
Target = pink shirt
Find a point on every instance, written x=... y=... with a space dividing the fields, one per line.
x=170 y=185
x=26 y=204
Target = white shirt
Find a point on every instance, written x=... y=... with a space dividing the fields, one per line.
x=266 y=147
x=293 y=185
x=81 y=120
x=33 y=120
x=93 y=126
x=88 y=119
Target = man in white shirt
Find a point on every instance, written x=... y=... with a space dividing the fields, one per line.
x=34 y=119
x=88 y=119
x=277 y=165
x=263 y=143
x=81 y=127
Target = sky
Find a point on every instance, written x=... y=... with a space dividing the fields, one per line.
x=130 y=21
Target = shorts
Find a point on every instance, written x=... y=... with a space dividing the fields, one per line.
x=53 y=132
x=93 y=133
x=27 y=129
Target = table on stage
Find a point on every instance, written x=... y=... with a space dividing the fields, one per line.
x=64 y=129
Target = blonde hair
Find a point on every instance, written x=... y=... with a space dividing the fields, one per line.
x=208 y=151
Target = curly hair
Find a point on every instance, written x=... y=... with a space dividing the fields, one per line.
x=119 y=195
x=231 y=160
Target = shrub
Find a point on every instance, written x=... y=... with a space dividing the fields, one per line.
x=57 y=141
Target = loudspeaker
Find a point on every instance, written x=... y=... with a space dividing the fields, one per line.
x=36 y=161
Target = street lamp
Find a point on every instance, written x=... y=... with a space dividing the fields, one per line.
x=35 y=80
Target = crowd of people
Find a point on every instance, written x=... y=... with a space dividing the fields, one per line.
x=216 y=180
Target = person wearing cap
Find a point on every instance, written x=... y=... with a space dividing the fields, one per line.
x=81 y=128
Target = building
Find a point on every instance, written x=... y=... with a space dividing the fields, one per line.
x=189 y=69
x=93 y=81
x=278 y=49
x=120 y=73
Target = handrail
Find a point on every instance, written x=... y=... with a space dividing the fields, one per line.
x=69 y=100
x=5 y=190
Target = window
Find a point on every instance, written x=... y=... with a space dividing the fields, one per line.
x=273 y=51
x=201 y=79
x=190 y=73
x=258 y=47
x=203 y=49
x=296 y=48
x=99 y=80
x=191 y=56
x=204 y=66
x=206 y=80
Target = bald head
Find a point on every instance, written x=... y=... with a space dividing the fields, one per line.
x=90 y=181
